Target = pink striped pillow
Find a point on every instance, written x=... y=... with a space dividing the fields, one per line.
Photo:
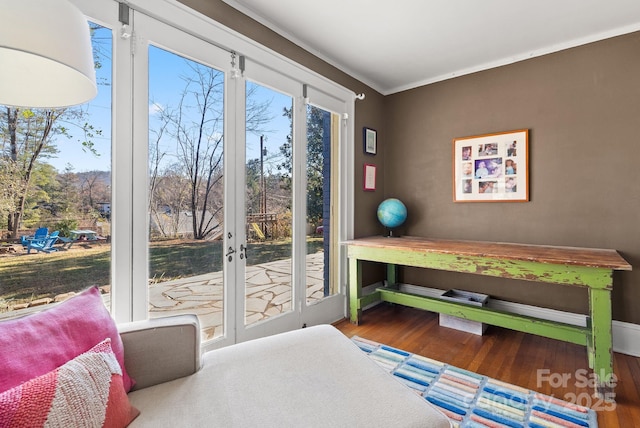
x=86 y=391
x=36 y=344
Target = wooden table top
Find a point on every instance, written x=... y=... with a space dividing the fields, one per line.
x=590 y=257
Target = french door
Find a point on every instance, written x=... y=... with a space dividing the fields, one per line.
x=267 y=297
x=289 y=250
x=184 y=223
x=235 y=190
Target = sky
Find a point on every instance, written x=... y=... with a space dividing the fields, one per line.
x=98 y=114
x=166 y=85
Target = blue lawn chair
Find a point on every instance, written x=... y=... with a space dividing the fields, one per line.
x=45 y=245
x=41 y=233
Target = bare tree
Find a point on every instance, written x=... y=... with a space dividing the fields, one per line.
x=171 y=195
x=156 y=157
x=94 y=188
x=195 y=126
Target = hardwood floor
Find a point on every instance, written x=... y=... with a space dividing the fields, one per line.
x=522 y=359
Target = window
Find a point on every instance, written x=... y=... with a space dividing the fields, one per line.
x=55 y=170
x=152 y=72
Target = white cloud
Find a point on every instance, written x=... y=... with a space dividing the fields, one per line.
x=155 y=108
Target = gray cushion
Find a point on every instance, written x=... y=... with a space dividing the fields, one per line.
x=315 y=377
x=162 y=349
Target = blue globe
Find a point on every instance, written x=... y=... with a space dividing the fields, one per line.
x=392 y=213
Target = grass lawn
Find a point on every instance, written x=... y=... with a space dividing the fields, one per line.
x=26 y=277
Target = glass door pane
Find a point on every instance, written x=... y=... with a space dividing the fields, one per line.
x=186 y=189
x=321 y=134
x=269 y=203
x=326 y=150
x=55 y=196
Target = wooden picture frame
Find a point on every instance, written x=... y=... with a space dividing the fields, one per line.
x=491 y=167
x=370 y=140
x=369 y=177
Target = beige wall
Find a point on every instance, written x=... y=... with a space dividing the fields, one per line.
x=582 y=107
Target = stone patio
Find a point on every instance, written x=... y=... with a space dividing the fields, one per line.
x=268 y=294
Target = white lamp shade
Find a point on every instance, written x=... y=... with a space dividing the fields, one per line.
x=46 y=58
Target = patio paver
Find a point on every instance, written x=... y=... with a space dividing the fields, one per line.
x=268 y=288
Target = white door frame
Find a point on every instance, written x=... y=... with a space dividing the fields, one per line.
x=130 y=231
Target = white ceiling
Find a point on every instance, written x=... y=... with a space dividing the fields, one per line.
x=401 y=44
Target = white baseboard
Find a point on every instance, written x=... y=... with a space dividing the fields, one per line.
x=366 y=290
x=626 y=336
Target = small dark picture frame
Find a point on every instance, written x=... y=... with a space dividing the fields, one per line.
x=370 y=140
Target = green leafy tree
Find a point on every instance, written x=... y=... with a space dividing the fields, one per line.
x=29 y=137
x=65 y=226
x=253 y=186
x=11 y=188
x=316 y=118
x=40 y=205
x=316 y=121
x=66 y=193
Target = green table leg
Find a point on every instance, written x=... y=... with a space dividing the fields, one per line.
x=392 y=275
x=355 y=291
x=600 y=351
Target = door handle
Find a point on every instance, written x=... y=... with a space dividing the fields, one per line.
x=229 y=252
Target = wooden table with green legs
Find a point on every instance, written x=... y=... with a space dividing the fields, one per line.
x=582 y=267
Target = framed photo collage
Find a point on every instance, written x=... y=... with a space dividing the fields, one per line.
x=491 y=167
